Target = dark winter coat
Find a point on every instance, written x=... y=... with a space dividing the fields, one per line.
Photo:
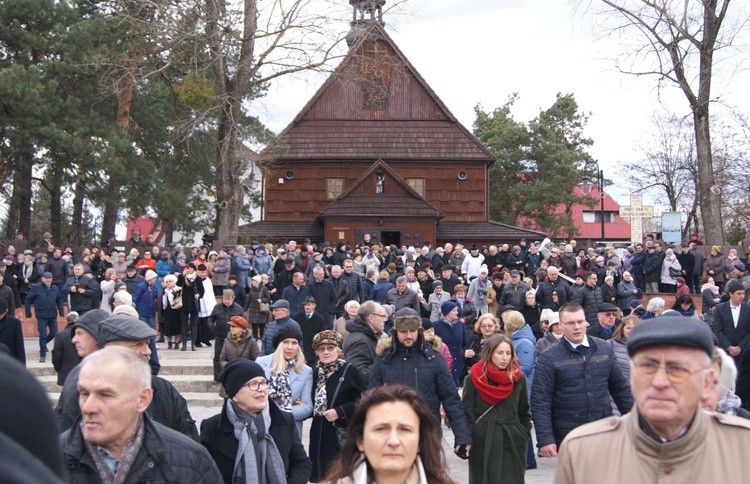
x=380 y=290
x=64 y=355
x=47 y=301
x=82 y=302
x=59 y=270
x=359 y=348
x=625 y=293
x=165 y=457
x=189 y=290
x=341 y=289
x=467 y=313
x=355 y=285
x=11 y=335
x=220 y=315
x=514 y=295
x=310 y=327
x=267 y=346
x=424 y=369
x=652 y=267
x=498 y=453
x=609 y=293
x=589 y=299
x=144 y=299
x=457 y=340
x=324 y=447
x=217 y=435
x=296 y=296
x=325 y=297
x=252 y=307
x=571 y=390
x=544 y=294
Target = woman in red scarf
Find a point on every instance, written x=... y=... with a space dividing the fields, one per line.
x=496 y=403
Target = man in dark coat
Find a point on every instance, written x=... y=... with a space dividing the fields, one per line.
x=58 y=267
x=64 y=354
x=220 y=315
x=341 y=287
x=732 y=322
x=449 y=279
x=514 y=293
x=407 y=359
x=607 y=320
x=11 y=333
x=81 y=291
x=48 y=303
x=218 y=434
x=589 y=297
x=545 y=288
x=651 y=269
x=132 y=279
x=364 y=331
x=284 y=278
x=296 y=293
x=687 y=262
x=636 y=266
x=115 y=395
x=324 y=293
x=573 y=381
x=354 y=280
x=311 y=323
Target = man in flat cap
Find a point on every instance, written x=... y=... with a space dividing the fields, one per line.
x=311 y=323
x=406 y=358
x=667 y=437
x=280 y=310
x=117 y=440
x=92 y=332
x=48 y=300
x=607 y=315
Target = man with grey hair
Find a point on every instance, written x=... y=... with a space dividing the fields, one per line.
x=324 y=293
x=402 y=296
x=666 y=436
x=167 y=407
x=241 y=266
x=81 y=291
x=115 y=440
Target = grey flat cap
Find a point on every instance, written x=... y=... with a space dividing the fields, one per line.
x=124 y=328
x=281 y=303
x=671 y=330
x=90 y=321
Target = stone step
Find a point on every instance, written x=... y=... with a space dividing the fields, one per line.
x=208 y=403
x=183 y=383
x=168 y=367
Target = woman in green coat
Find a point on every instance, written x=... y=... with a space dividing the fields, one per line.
x=496 y=403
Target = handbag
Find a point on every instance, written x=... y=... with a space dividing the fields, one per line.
x=265 y=308
x=177 y=301
x=340 y=432
x=674 y=272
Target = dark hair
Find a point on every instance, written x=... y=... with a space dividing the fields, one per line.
x=684 y=298
x=430 y=448
x=734 y=285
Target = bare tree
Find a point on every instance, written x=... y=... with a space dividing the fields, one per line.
x=668 y=168
x=678 y=40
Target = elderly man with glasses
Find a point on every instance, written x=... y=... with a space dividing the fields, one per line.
x=573 y=381
x=667 y=437
x=364 y=331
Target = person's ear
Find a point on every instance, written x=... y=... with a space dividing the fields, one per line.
x=145 y=396
x=708 y=382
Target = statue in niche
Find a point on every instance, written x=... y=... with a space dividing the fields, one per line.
x=380 y=184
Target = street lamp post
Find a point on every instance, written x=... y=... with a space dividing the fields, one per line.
x=586 y=185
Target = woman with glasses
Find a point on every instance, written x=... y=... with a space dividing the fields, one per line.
x=252 y=440
x=337 y=386
x=485 y=327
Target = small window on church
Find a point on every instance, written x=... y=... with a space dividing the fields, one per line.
x=417 y=184
x=335 y=187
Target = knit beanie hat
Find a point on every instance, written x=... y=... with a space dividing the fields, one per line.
x=447 y=307
x=286 y=332
x=238 y=372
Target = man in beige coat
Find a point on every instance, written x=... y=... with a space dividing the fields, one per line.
x=666 y=437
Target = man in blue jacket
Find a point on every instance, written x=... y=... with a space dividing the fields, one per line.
x=573 y=381
x=48 y=303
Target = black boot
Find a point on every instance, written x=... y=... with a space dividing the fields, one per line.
x=169 y=345
x=183 y=346
x=192 y=346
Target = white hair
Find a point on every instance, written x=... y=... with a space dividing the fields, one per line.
x=124 y=297
x=655 y=304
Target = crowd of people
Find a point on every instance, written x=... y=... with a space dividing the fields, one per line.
x=383 y=349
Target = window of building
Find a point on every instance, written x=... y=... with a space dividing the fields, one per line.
x=417 y=184
x=590 y=217
x=335 y=187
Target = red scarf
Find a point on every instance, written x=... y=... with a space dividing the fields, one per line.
x=494 y=385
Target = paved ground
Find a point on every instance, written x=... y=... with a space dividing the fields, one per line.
x=458 y=468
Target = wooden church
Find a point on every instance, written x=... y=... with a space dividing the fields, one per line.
x=376 y=151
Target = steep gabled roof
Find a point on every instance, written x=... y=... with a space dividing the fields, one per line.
x=412 y=124
x=360 y=200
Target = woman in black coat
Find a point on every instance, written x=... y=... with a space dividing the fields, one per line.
x=247 y=390
x=337 y=386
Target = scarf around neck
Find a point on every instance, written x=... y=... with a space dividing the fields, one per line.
x=320 y=403
x=494 y=385
x=280 y=387
x=257 y=458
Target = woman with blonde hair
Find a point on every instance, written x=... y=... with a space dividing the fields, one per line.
x=496 y=403
x=108 y=288
x=289 y=378
x=486 y=326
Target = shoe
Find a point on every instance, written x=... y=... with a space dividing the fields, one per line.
x=42 y=358
x=183 y=347
x=208 y=345
x=197 y=345
x=192 y=346
x=530 y=467
x=160 y=340
x=169 y=345
x=215 y=382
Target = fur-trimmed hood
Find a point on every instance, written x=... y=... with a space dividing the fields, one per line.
x=389 y=342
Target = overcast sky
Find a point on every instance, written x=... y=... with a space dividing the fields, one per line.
x=481 y=51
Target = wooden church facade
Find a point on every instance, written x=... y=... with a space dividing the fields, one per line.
x=376 y=151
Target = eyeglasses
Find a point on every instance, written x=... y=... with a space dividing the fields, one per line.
x=255 y=385
x=381 y=315
x=675 y=373
x=582 y=322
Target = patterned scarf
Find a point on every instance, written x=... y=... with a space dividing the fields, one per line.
x=127 y=456
x=320 y=404
x=280 y=387
x=257 y=458
x=492 y=384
